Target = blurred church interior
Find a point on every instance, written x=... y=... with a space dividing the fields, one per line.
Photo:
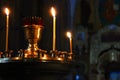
x=95 y=31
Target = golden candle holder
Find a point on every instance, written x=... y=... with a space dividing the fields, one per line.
x=33 y=34
x=35 y=63
x=33 y=30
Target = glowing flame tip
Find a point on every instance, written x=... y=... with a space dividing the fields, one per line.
x=7 y=11
x=69 y=34
x=53 y=11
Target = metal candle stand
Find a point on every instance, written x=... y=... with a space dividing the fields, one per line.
x=33 y=59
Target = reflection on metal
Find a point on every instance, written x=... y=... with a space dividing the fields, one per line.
x=33 y=34
x=34 y=61
x=33 y=29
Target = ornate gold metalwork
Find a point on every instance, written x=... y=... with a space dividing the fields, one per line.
x=32 y=34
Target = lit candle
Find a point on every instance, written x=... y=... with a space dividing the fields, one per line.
x=7 y=28
x=70 y=37
x=54 y=28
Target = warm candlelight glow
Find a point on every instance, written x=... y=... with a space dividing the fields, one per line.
x=16 y=58
x=7 y=28
x=54 y=28
x=7 y=11
x=53 y=11
x=59 y=59
x=44 y=56
x=26 y=55
x=69 y=34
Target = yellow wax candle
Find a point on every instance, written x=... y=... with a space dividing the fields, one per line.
x=54 y=28
x=70 y=37
x=7 y=28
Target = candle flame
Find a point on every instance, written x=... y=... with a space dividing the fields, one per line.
x=69 y=34
x=53 y=11
x=7 y=11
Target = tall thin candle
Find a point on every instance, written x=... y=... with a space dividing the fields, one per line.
x=54 y=28
x=70 y=37
x=7 y=28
